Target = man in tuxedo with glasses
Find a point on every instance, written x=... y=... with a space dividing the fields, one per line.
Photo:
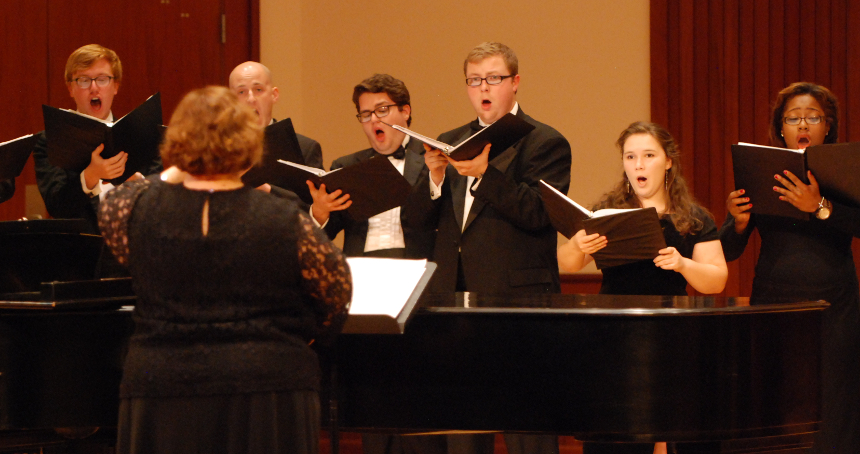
x=494 y=236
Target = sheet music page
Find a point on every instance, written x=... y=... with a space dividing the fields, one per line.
x=611 y=211
x=383 y=286
x=432 y=142
x=567 y=199
x=747 y=144
x=13 y=140
x=313 y=170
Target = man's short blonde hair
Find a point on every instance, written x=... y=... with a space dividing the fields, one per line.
x=212 y=133
x=86 y=56
x=485 y=50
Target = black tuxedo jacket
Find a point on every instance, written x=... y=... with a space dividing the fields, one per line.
x=419 y=241
x=508 y=246
x=311 y=151
x=61 y=189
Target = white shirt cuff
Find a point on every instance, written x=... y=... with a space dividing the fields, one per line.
x=436 y=191
x=96 y=190
x=311 y=211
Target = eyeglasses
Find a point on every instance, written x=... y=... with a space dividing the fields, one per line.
x=381 y=111
x=101 y=81
x=794 y=121
x=494 y=79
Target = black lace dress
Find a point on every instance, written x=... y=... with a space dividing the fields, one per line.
x=644 y=278
x=232 y=287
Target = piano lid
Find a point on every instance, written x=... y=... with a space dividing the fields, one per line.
x=46 y=250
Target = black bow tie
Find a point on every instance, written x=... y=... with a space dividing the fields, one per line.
x=400 y=153
x=475 y=126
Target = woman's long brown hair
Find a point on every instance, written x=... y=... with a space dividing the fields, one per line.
x=680 y=203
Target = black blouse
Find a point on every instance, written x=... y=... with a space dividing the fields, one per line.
x=645 y=278
x=229 y=311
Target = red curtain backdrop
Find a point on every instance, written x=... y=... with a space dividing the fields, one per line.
x=716 y=67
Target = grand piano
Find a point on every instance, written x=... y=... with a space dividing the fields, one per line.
x=711 y=374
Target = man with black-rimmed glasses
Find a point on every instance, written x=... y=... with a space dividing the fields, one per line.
x=380 y=100
x=93 y=75
x=494 y=236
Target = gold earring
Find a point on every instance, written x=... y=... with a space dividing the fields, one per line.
x=666 y=180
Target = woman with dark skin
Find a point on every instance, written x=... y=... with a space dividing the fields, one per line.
x=810 y=260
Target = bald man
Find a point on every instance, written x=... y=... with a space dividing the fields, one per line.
x=252 y=82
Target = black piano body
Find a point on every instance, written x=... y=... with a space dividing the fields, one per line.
x=61 y=355
x=719 y=373
x=710 y=370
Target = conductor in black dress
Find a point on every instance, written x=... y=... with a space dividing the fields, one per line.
x=380 y=100
x=494 y=235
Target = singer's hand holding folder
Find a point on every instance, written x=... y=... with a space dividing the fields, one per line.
x=503 y=134
x=373 y=185
x=632 y=234
x=73 y=136
x=835 y=167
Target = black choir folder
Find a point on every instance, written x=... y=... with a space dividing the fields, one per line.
x=385 y=293
x=632 y=234
x=505 y=132
x=835 y=167
x=374 y=185
x=73 y=136
x=14 y=154
x=279 y=143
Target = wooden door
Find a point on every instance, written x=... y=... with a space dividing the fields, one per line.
x=23 y=83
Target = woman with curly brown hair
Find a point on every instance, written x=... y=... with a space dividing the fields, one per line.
x=652 y=178
x=810 y=260
x=232 y=285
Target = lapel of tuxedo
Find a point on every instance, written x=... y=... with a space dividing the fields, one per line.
x=458 y=184
x=500 y=162
x=414 y=161
x=363 y=226
x=364 y=155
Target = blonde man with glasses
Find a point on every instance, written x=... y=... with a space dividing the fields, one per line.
x=494 y=236
x=93 y=76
